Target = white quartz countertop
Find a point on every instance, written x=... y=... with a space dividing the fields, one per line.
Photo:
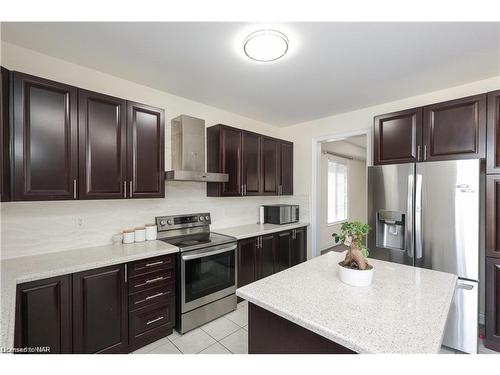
x=403 y=311
x=253 y=230
x=18 y=270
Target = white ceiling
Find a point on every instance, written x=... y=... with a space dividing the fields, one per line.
x=330 y=68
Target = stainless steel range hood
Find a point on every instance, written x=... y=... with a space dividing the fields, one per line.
x=188 y=152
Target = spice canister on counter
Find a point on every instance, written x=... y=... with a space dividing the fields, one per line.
x=128 y=236
x=151 y=232
x=140 y=234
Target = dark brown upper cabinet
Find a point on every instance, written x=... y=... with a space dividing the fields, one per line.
x=455 y=129
x=251 y=163
x=103 y=146
x=285 y=186
x=270 y=166
x=45 y=137
x=493 y=216
x=100 y=311
x=256 y=164
x=43 y=315
x=146 y=151
x=398 y=137
x=493 y=138
x=4 y=135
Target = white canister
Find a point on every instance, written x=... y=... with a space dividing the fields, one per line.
x=151 y=232
x=128 y=236
x=140 y=234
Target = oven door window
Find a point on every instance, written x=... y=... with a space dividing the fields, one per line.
x=207 y=275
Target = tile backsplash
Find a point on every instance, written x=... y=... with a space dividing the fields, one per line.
x=29 y=228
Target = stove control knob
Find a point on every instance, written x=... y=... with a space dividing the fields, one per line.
x=163 y=223
x=170 y=222
x=202 y=218
x=207 y=218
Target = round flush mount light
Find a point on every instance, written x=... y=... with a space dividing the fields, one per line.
x=266 y=45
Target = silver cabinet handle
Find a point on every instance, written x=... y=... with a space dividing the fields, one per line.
x=130 y=189
x=154 y=320
x=425 y=152
x=149 y=297
x=241 y=189
x=464 y=286
x=126 y=273
x=74 y=189
x=124 y=189
x=154 y=263
x=150 y=281
x=419 y=153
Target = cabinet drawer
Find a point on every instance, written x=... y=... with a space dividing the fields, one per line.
x=150 y=265
x=150 y=280
x=149 y=318
x=159 y=294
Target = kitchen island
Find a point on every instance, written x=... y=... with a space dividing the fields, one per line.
x=307 y=309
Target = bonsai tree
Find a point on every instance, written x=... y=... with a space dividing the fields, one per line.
x=352 y=234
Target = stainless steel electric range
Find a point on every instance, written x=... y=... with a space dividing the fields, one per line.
x=206 y=269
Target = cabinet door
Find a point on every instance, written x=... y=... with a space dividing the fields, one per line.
x=493 y=304
x=265 y=256
x=286 y=168
x=397 y=137
x=270 y=166
x=230 y=149
x=45 y=139
x=146 y=144
x=102 y=146
x=493 y=216
x=299 y=250
x=283 y=251
x=251 y=163
x=246 y=261
x=493 y=138
x=4 y=136
x=455 y=129
x=100 y=314
x=43 y=314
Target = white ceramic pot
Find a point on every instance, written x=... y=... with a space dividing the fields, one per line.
x=355 y=277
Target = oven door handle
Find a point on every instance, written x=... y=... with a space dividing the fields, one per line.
x=208 y=253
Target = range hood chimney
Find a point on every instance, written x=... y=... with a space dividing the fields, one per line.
x=188 y=152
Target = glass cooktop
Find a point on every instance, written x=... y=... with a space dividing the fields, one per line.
x=198 y=240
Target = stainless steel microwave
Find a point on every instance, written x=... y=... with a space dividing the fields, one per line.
x=281 y=213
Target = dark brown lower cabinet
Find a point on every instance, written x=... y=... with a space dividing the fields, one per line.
x=262 y=256
x=100 y=311
x=43 y=315
x=493 y=304
x=265 y=255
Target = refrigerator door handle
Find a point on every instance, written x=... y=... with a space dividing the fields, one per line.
x=418 y=217
x=409 y=218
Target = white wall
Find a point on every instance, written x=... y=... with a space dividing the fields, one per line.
x=356 y=184
x=39 y=227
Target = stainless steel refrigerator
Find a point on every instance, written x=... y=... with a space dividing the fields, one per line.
x=427 y=215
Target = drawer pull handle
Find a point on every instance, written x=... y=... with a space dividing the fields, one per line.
x=150 y=281
x=155 y=320
x=149 y=297
x=154 y=263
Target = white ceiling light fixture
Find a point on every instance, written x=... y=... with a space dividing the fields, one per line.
x=266 y=45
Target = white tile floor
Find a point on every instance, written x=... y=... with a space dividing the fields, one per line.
x=225 y=335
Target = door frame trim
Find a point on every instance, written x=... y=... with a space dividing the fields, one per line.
x=315 y=167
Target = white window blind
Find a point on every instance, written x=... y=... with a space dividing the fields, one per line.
x=337 y=192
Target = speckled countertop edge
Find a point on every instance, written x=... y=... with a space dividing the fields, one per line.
x=241 y=232
x=11 y=277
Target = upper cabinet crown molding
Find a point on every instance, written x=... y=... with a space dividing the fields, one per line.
x=70 y=143
x=493 y=139
x=256 y=164
x=450 y=130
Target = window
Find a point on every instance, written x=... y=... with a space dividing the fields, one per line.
x=337 y=192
